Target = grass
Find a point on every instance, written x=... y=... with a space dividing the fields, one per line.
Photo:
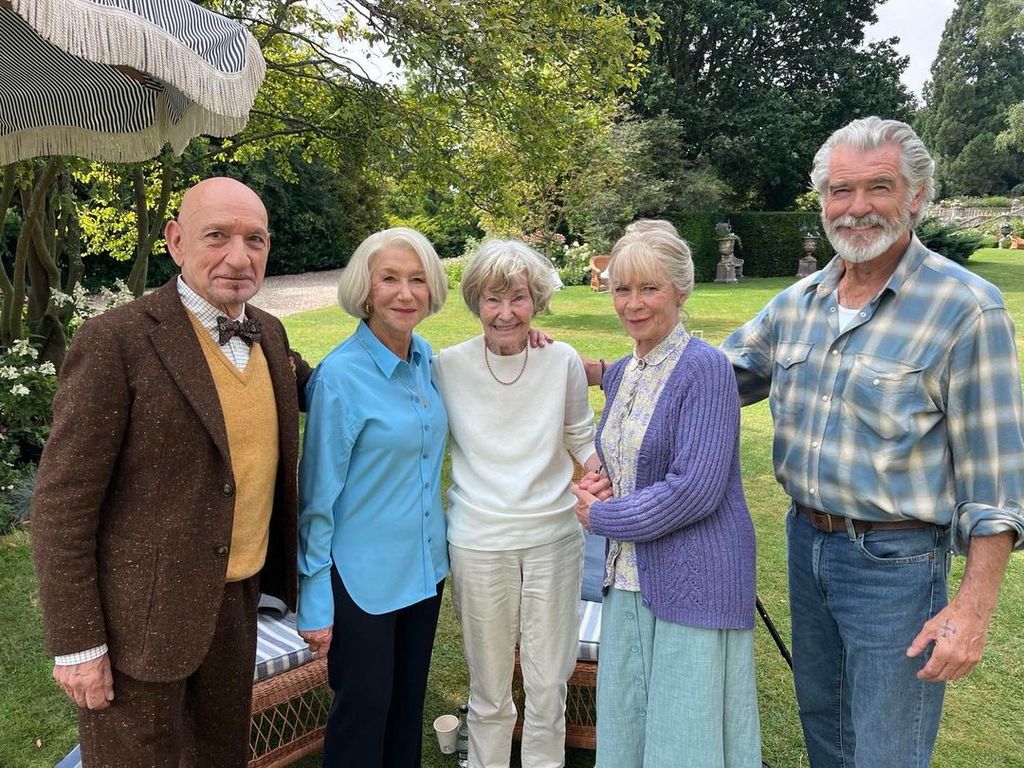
x=983 y=714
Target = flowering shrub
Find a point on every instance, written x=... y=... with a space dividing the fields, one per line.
x=575 y=268
x=84 y=306
x=26 y=392
x=27 y=387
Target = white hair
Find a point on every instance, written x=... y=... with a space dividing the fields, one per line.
x=496 y=263
x=645 y=250
x=869 y=133
x=354 y=284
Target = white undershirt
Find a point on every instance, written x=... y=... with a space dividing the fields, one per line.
x=846 y=317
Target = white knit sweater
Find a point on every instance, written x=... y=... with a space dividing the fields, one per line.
x=510 y=445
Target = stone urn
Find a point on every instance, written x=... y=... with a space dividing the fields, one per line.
x=808 y=262
x=726 y=265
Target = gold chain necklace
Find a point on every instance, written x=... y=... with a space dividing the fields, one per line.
x=417 y=395
x=490 y=370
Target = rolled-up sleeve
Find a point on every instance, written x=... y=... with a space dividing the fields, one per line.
x=326 y=450
x=986 y=441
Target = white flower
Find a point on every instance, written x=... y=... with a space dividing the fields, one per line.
x=48 y=369
x=19 y=390
x=23 y=348
x=9 y=372
x=60 y=299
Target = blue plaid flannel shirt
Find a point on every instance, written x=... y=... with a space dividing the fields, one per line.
x=915 y=411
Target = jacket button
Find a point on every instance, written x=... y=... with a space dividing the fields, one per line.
x=221 y=549
x=228 y=489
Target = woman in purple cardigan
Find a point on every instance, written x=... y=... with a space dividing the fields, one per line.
x=676 y=679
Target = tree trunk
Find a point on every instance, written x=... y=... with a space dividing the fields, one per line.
x=148 y=230
x=32 y=259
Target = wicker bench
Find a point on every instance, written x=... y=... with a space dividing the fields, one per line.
x=288 y=715
x=290 y=695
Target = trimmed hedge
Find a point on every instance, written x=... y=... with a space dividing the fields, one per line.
x=770 y=242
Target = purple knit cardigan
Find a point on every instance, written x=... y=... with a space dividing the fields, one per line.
x=689 y=519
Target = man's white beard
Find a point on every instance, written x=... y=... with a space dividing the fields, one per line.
x=858 y=247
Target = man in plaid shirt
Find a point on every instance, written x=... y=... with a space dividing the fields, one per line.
x=893 y=383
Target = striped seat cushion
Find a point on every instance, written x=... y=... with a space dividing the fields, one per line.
x=278 y=646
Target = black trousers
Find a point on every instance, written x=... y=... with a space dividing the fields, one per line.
x=377 y=666
x=201 y=721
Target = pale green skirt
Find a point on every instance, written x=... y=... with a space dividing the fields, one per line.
x=671 y=696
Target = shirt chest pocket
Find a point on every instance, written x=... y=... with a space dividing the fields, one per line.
x=789 y=377
x=885 y=397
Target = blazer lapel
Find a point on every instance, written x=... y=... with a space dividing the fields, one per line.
x=176 y=345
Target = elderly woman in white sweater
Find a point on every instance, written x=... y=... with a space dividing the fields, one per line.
x=515 y=415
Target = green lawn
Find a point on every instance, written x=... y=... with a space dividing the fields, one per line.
x=983 y=717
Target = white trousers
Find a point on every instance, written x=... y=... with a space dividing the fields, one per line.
x=531 y=596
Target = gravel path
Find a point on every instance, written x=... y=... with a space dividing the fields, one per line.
x=286 y=294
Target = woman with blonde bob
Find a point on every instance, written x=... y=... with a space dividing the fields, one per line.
x=372 y=551
x=675 y=685
x=515 y=415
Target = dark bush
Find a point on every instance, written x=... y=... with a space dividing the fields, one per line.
x=946 y=239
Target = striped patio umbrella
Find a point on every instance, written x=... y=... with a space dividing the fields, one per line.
x=116 y=80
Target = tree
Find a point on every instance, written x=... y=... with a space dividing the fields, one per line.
x=1004 y=20
x=639 y=173
x=975 y=79
x=123 y=210
x=47 y=255
x=759 y=84
x=498 y=101
x=500 y=104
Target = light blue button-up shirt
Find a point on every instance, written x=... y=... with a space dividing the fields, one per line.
x=369 y=480
x=913 y=411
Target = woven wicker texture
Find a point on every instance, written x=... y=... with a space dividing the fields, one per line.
x=288 y=715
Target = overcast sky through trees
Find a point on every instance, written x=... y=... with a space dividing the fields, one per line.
x=918 y=24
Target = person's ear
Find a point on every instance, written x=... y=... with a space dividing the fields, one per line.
x=172 y=236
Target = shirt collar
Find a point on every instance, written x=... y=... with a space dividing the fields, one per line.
x=675 y=338
x=201 y=308
x=826 y=281
x=386 y=360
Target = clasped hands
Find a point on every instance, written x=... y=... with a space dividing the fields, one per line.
x=593 y=486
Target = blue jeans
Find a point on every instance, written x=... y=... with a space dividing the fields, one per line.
x=857 y=602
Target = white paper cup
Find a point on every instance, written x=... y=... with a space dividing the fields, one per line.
x=447 y=729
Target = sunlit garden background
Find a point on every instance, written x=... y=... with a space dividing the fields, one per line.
x=557 y=122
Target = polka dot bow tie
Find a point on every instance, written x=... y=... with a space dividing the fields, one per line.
x=248 y=330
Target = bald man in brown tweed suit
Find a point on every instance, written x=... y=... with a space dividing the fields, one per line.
x=166 y=499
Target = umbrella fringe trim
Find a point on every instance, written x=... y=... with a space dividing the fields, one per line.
x=119 y=148
x=94 y=33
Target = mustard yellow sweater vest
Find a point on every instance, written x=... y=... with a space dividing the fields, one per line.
x=250 y=417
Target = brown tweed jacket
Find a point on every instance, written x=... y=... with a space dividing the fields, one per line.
x=132 y=512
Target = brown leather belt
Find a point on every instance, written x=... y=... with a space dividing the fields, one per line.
x=837 y=524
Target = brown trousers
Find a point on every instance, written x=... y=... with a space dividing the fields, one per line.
x=201 y=721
